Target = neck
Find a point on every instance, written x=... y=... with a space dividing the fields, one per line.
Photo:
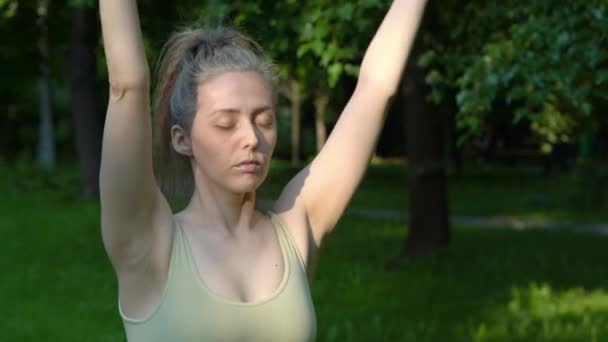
x=214 y=207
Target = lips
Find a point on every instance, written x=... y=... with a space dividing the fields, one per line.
x=249 y=166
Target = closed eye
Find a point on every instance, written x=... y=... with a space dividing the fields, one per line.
x=225 y=124
x=265 y=119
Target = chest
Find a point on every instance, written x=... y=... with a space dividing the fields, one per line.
x=244 y=271
x=247 y=297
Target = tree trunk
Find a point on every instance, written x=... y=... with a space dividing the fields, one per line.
x=295 y=97
x=293 y=92
x=429 y=226
x=321 y=102
x=45 y=152
x=88 y=120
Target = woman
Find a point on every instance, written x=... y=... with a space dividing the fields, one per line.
x=219 y=269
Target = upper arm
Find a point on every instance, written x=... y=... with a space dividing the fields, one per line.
x=132 y=207
x=130 y=198
x=323 y=189
x=337 y=170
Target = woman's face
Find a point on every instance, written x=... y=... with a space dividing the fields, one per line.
x=234 y=130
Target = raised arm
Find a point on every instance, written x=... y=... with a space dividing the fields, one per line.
x=128 y=191
x=329 y=182
x=386 y=55
x=123 y=46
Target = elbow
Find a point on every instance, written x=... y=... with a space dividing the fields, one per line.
x=128 y=76
x=121 y=86
x=131 y=82
x=386 y=87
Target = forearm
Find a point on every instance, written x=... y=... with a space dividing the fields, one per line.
x=387 y=53
x=123 y=43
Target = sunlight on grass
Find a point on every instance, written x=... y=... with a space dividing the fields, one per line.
x=546 y=314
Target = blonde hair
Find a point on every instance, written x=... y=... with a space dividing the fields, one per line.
x=189 y=57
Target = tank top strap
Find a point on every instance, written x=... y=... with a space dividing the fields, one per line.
x=178 y=259
x=177 y=248
x=181 y=264
x=287 y=239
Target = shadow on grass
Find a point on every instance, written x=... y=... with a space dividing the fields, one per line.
x=496 y=285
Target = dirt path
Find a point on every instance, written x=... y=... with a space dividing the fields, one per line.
x=516 y=223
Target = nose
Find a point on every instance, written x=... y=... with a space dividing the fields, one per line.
x=250 y=136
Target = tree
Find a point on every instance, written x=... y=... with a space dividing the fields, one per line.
x=542 y=63
x=82 y=70
x=429 y=226
x=426 y=123
x=45 y=152
x=333 y=37
x=544 y=60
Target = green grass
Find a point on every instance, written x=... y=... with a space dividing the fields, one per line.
x=489 y=285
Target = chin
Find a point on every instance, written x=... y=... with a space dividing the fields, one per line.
x=246 y=186
x=245 y=183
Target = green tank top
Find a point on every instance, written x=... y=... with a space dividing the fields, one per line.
x=189 y=312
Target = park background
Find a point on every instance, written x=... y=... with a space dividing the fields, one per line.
x=482 y=216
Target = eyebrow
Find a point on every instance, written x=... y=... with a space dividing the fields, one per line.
x=237 y=111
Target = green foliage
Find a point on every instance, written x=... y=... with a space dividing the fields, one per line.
x=82 y=3
x=286 y=29
x=544 y=59
x=337 y=34
x=8 y=8
x=319 y=40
